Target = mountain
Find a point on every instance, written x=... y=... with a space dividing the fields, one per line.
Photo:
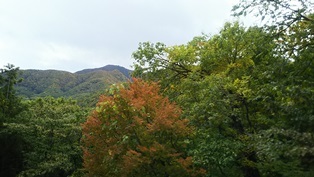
x=80 y=85
x=124 y=71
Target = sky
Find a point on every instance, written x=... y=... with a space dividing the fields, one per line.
x=72 y=35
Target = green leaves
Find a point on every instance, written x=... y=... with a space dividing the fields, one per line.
x=249 y=100
x=52 y=133
x=10 y=106
x=9 y=102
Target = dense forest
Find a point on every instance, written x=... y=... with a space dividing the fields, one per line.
x=237 y=103
x=78 y=85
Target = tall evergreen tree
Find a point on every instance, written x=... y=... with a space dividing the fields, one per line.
x=11 y=158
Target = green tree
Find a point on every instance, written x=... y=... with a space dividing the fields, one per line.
x=249 y=102
x=292 y=25
x=290 y=22
x=9 y=102
x=10 y=106
x=51 y=129
x=219 y=102
x=279 y=14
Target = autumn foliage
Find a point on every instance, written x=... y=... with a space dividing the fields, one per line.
x=136 y=132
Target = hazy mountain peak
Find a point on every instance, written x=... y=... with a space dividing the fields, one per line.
x=124 y=71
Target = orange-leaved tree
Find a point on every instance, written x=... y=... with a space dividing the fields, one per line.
x=137 y=132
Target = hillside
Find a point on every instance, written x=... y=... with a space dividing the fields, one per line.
x=79 y=85
x=124 y=71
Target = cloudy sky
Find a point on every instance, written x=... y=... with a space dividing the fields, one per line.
x=72 y=35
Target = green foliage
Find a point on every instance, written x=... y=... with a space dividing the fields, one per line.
x=39 y=137
x=280 y=14
x=290 y=22
x=38 y=83
x=11 y=156
x=124 y=71
x=290 y=87
x=250 y=102
x=9 y=102
x=10 y=106
x=50 y=129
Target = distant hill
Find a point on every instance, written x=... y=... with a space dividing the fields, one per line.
x=80 y=85
x=124 y=71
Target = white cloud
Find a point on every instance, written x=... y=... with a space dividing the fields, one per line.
x=76 y=34
x=52 y=53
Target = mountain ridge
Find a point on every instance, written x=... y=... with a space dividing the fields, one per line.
x=123 y=70
x=78 y=85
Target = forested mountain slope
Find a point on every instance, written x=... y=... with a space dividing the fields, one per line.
x=124 y=71
x=62 y=83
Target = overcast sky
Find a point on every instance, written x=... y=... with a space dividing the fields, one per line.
x=72 y=35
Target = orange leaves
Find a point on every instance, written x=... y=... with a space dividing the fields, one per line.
x=155 y=111
x=142 y=94
x=135 y=132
